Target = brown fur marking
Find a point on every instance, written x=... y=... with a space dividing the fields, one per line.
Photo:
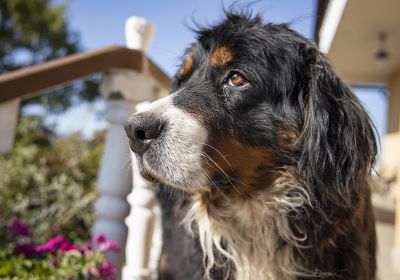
x=288 y=137
x=187 y=65
x=251 y=167
x=221 y=56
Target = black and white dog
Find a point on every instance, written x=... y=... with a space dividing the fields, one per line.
x=267 y=153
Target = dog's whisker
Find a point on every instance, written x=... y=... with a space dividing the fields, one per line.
x=232 y=178
x=210 y=179
x=224 y=174
x=217 y=165
x=224 y=157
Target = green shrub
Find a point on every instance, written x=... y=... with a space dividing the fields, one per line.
x=49 y=182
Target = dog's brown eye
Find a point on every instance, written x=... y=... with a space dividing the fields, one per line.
x=237 y=80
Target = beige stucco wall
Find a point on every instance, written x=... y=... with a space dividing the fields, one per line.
x=391 y=141
x=391 y=169
x=391 y=156
x=394 y=103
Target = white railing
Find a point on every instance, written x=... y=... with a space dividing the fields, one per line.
x=124 y=90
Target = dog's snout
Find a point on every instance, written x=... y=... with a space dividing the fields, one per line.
x=142 y=129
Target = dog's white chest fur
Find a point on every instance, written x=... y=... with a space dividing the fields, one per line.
x=247 y=233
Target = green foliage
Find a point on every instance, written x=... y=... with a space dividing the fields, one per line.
x=19 y=267
x=49 y=182
x=69 y=265
x=36 y=28
x=36 y=31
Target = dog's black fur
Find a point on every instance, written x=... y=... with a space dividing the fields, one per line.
x=304 y=123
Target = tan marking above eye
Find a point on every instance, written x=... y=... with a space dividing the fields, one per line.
x=221 y=56
x=187 y=65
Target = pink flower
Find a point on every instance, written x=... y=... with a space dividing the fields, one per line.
x=109 y=245
x=99 y=238
x=20 y=229
x=93 y=272
x=106 y=245
x=85 y=249
x=51 y=245
x=67 y=246
x=107 y=271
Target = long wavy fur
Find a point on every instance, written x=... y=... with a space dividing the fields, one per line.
x=321 y=175
x=331 y=159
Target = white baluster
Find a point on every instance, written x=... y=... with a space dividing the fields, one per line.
x=8 y=117
x=122 y=89
x=141 y=224
x=114 y=182
x=142 y=219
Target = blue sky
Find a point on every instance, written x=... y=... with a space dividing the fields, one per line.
x=101 y=23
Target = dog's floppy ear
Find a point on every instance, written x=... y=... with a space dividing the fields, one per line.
x=337 y=143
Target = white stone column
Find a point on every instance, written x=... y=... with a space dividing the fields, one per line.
x=141 y=222
x=123 y=89
x=142 y=219
x=8 y=122
x=114 y=181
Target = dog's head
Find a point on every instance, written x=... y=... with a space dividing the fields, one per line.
x=250 y=103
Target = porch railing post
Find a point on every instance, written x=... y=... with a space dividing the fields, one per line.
x=8 y=117
x=114 y=179
x=123 y=89
x=142 y=218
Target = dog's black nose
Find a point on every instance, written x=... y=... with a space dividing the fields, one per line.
x=142 y=129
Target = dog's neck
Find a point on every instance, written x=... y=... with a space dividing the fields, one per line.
x=254 y=234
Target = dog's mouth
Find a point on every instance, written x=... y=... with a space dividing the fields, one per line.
x=196 y=179
x=149 y=177
x=146 y=171
x=159 y=165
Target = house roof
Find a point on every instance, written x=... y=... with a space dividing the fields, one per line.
x=348 y=30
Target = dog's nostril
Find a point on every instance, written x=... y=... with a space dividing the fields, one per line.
x=149 y=133
x=140 y=135
x=142 y=129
